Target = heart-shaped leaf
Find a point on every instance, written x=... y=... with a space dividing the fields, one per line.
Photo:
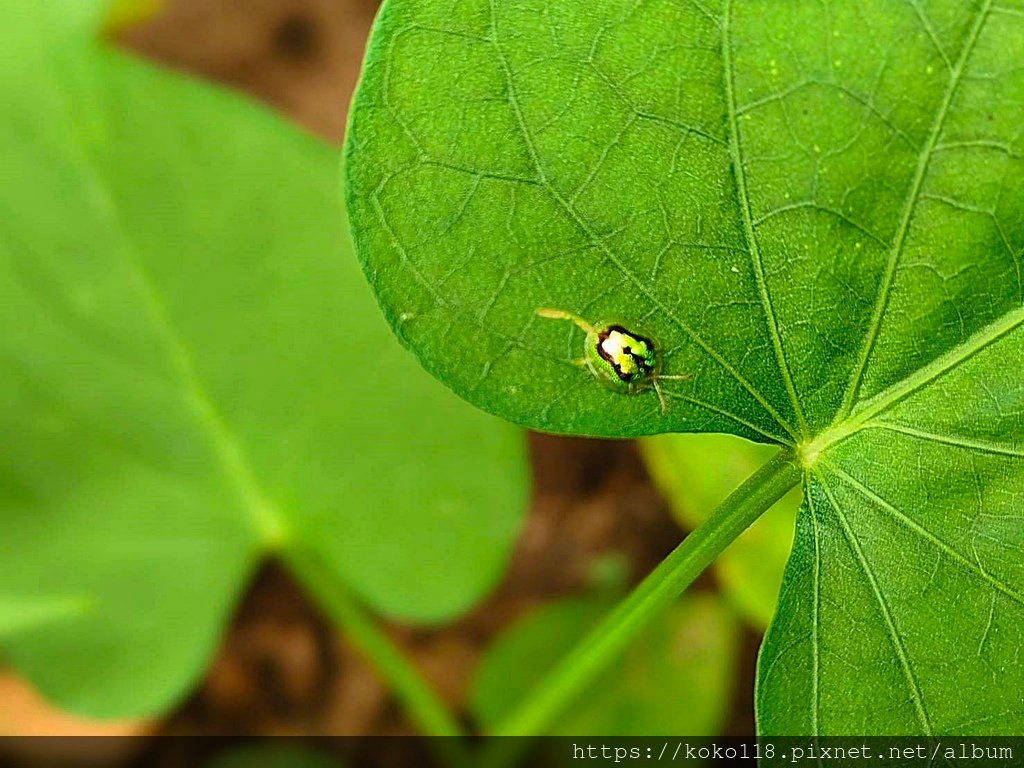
x=817 y=211
x=193 y=375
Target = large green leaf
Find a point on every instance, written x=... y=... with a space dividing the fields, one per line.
x=193 y=375
x=818 y=211
x=678 y=678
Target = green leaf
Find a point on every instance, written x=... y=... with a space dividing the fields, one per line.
x=696 y=473
x=677 y=678
x=193 y=375
x=20 y=613
x=817 y=210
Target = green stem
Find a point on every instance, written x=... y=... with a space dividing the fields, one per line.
x=422 y=704
x=663 y=585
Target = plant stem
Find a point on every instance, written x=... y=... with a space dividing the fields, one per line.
x=663 y=585
x=422 y=704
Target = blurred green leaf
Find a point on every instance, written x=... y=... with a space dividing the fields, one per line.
x=817 y=210
x=270 y=755
x=696 y=472
x=18 y=614
x=194 y=375
x=677 y=678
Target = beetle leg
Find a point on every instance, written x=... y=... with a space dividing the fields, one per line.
x=661 y=396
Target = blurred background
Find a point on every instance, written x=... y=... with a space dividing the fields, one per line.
x=602 y=514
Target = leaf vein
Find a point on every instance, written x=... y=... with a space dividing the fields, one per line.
x=743 y=201
x=995 y=584
x=815 y=618
x=883 y=606
x=910 y=205
x=979 y=446
x=937 y=368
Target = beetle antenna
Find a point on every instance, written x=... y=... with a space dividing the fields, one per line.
x=677 y=377
x=559 y=314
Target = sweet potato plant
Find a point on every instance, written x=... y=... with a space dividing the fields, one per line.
x=793 y=224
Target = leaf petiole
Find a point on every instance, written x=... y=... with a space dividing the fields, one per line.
x=663 y=585
x=422 y=704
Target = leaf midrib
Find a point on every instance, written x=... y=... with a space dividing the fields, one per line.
x=267 y=519
x=853 y=414
x=893 y=631
x=743 y=200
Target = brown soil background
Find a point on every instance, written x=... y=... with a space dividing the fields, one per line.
x=281 y=668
